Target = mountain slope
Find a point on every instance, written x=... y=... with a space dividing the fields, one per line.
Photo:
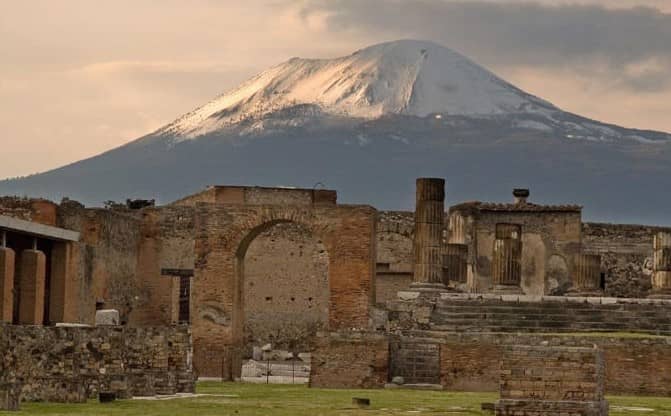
x=367 y=124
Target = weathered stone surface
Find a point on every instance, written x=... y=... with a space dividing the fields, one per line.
x=350 y=360
x=549 y=381
x=69 y=364
x=10 y=396
x=107 y=317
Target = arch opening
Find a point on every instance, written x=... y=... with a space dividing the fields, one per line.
x=283 y=298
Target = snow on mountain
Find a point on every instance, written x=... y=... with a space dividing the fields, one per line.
x=406 y=77
x=367 y=125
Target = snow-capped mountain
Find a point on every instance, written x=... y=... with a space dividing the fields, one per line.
x=367 y=124
x=406 y=77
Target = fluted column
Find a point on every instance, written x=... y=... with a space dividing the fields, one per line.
x=429 y=219
x=455 y=261
x=507 y=259
x=586 y=275
x=661 y=275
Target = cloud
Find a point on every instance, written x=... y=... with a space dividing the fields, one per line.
x=584 y=37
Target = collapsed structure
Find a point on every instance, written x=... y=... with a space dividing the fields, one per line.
x=432 y=297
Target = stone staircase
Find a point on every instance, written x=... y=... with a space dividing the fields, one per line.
x=558 y=315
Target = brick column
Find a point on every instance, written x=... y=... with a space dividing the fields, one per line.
x=507 y=259
x=60 y=284
x=455 y=264
x=586 y=275
x=31 y=287
x=7 y=259
x=661 y=276
x=429 y=219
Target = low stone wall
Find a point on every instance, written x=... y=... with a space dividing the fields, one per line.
x=350 y=360
x=71 y=364
x=549 y=381
x=634 y=365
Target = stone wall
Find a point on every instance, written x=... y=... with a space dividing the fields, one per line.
x=394 y=261
x=350 y=360
x=286 y=288
x=634 y=365
x=104 y=262
x=549 y=381
x=73 y=363
x=626 y=256
x=29 y=209
x=223 y=236
x=549 y=241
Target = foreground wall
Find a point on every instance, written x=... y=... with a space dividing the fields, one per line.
x=69 y=364
x=634 y=366
x=350 y=360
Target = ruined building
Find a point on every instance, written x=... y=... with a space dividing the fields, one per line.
x=431 y=296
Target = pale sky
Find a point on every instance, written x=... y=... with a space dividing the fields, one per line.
x=78 y=77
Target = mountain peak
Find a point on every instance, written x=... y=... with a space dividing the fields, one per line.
x=409 y=77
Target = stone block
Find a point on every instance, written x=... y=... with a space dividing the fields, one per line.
x=10 y=396
x=107 y=317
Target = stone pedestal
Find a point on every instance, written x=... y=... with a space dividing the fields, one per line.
x=31 y=287
x=661 y=275
x=107 y=317
x=586 y=275
x=10 y=396
x=427 y=247
x=7 y=260
x=507 y=259
x=551 y=381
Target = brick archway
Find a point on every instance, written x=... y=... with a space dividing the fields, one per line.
x=223 y=234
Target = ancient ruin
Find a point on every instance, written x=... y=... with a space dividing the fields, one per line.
x=223 y=279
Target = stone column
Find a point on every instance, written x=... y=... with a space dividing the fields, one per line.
x=429 y=219
x=507 y=259
x=7 y=259
x=31 y=287
x=586 y=275
x=455 y=264
x=661 y=275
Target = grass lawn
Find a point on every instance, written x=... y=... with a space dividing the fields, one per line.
x=283 y=400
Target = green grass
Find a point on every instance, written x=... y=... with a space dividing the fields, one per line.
x=282 y=400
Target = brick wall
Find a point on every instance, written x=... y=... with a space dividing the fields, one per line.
x=350 y=360
x=286 y=288
x=103 y=265
x=29 y=209
x=73 y=363
x=549 y=381
x=634 y=366
x=223 y=235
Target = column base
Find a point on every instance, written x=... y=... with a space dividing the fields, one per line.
x=507 y=290
x=428 y=287
x=585 y=293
